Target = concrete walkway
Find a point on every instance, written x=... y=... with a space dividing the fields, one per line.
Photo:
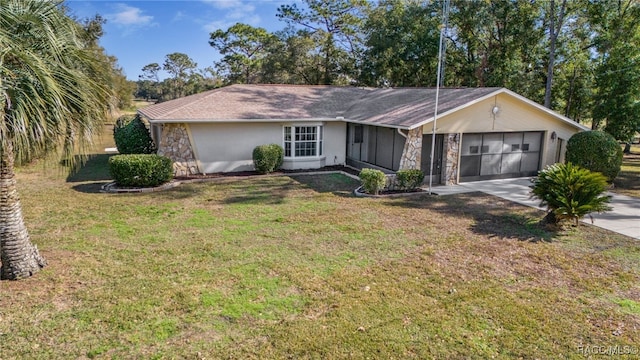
x=623 y=219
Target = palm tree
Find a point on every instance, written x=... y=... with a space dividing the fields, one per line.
x=53 y=98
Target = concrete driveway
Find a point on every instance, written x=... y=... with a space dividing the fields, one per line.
x=623 y=219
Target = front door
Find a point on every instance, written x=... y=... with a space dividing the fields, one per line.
x=425 y=165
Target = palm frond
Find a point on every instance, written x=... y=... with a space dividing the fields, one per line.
x=54 y=93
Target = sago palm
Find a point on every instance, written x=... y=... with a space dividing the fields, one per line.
x=52 y=99
x=571 y=192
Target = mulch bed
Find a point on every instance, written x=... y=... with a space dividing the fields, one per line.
x=390 y=193
x=346 y=169
x=113 y=188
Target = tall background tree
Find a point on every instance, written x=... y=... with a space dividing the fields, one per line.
x=334 y=26
x=244 y=48
x=555 y=19
x=574 y=66
x=54 y=96
x=293 y=59
x=498 y=43
x=401 y=46
x=149 y=86
x=616 y=29
x=190 y=80
x=179 y=66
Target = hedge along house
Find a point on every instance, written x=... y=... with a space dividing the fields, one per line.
x=481 y=133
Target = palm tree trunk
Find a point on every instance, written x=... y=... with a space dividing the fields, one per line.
x=20 y=258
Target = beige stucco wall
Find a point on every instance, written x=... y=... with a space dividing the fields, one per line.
x=335 y=143
x=228 y=147
x=513 y=115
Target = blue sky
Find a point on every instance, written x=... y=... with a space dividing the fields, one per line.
x=143 y=32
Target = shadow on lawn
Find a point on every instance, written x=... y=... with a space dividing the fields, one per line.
x=259 y=191
x=628 y=178
x=184 y=191
x=336 y=184
x=493 y=217
x=94 y=168
x=93 y=172
x=90 y=188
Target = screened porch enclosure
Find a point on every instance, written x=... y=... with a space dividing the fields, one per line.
x=374 y=145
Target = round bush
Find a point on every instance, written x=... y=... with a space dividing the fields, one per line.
x=132 y=136
x=372 y=180
x=596 y=151
x=268 y=158
x=409 y=179
x=140 y=170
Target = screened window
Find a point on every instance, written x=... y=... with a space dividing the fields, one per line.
x=302 y=141
x=358 y=134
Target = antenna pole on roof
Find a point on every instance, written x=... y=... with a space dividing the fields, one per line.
x=440 y=78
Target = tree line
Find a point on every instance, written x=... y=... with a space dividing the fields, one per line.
x=577 y=57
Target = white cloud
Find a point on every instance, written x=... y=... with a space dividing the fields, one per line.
x=179 y=16
x=230 y=4
x=233 y=11
x=253 y=20
x=129 y=15
x=218 y=24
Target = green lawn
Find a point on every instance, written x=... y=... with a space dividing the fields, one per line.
x=296 y=267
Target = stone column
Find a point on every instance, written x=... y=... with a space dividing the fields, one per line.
x=453 y=151
x=175 y=144
x=412 y=152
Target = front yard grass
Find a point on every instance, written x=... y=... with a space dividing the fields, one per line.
x=296 y=267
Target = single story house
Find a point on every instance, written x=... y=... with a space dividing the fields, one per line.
x=480 y=133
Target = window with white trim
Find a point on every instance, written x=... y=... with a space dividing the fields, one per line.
x=302 y=141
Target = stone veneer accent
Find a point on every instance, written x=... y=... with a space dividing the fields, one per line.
x=453 y=151
x=175 y=144
x=412 y=152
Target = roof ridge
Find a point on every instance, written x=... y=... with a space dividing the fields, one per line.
x=306 y=86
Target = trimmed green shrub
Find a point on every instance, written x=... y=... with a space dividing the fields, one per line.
x=570 y=192
x=132 y=136
x=140 y=170
x=267 y=158
x=409 y=179
x=372 y=180
x=596 y=151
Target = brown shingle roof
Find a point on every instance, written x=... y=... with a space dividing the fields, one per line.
x=399 y=107
x=406 y=107
x=258 y=102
